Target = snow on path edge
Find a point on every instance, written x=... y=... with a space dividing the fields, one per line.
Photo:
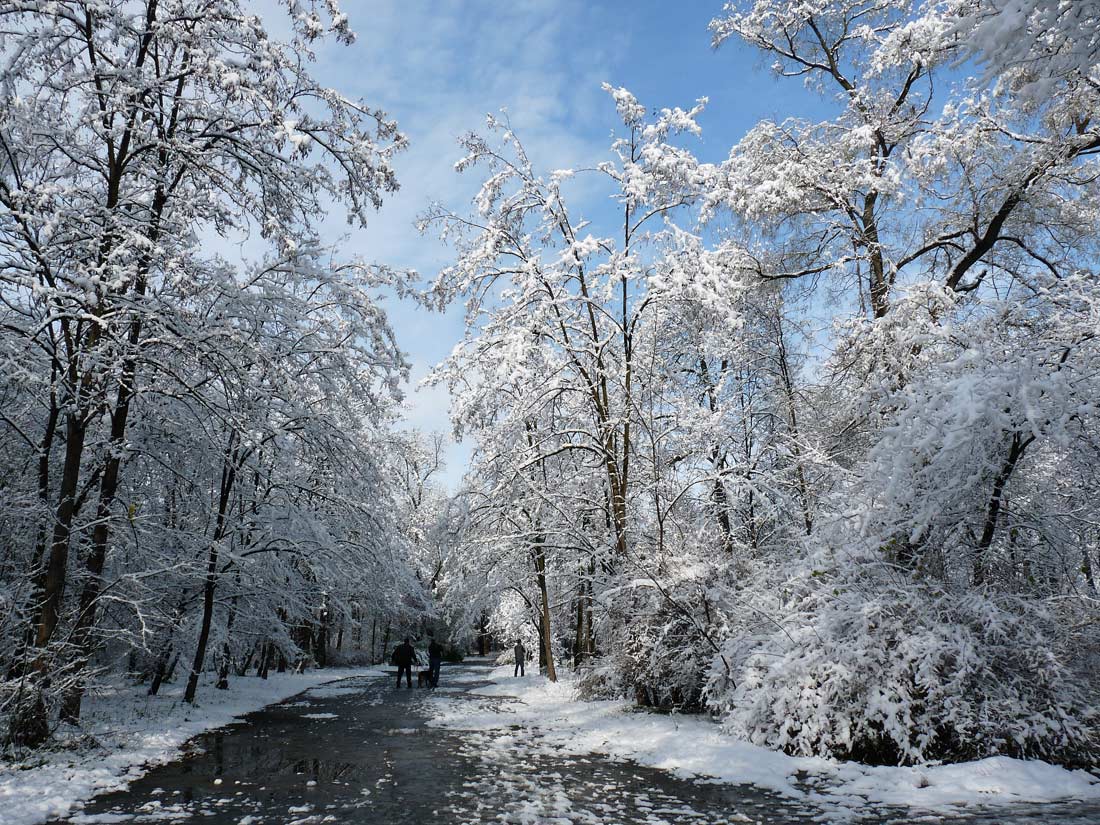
x=695 y=747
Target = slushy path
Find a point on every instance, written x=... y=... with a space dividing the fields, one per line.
x=359 y=751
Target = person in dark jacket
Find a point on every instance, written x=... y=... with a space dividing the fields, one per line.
x=521 y=658
x=435 y=660
x=403 y=657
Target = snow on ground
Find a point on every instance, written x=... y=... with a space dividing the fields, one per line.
x=695 y=747
x=124 y=733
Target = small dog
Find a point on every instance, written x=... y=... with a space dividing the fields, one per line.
x=423 y=678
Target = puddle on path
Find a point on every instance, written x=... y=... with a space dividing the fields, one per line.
x=359 y=752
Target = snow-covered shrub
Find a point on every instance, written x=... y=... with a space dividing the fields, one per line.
x=659 y=657
x=871 y=665
x=664 y=659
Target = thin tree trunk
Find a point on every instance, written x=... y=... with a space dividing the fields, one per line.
x=204 y=630
x=792 y=421
x=578 y=631
x=993 y=510
x=229 y=473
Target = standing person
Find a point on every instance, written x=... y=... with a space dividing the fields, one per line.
x=435 y=660
x=521 y=657
x=403 y=657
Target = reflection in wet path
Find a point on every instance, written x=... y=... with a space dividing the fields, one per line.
x=333 y=754
x=359 y=752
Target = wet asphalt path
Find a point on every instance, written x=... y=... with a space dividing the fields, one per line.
x=359 y=751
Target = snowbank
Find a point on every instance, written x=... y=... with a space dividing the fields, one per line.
x=695 y=747
x=132 y=733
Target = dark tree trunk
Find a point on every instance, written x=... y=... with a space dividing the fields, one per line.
x=722 y=511
x=229 y=473
x=208 y=589
x=160 y=671
x=879 y=286
x=30 y=724
x=53 y=585
x=320 y=639
x=1017 y=447
x=386 y=644
x=545 y=631
x=38 y=570
x=171 y=674
x=223 y=668
x=265 y=660
x=578 y=632
x=108 y=489
x=483 y=636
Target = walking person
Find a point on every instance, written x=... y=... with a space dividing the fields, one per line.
x=521 y=657
x=435 y=661
x=403 y=657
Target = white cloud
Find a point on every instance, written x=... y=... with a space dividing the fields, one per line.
x=438 y=69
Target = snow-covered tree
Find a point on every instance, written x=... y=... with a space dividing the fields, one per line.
x=129 y=132
x=866 y=537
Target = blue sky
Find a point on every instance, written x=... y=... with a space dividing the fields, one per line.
x=439 y=67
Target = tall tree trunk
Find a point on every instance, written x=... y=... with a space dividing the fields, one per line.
x=19 y=661
x=38 y=571
x=209 y=586
x=229 y=474
x=578 y=631
x=223 y=667
x=54 y=581
x=30 y=725
x=545 y=630
x=483 y=636
x=97 y=556
x=108 y=488
x=879 y=286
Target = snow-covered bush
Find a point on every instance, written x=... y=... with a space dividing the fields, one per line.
x=871 y=665
x=659 y=660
